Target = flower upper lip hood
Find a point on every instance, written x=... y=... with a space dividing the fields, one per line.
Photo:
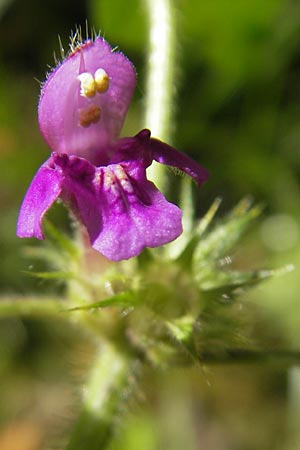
x=99 y=176
x=61 y=102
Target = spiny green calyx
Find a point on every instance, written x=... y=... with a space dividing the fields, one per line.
x=166 y=309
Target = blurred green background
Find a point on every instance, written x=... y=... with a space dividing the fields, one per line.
x=238 y=113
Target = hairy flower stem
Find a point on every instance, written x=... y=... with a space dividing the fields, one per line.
x=160 y=84
x=103 y=396
x=28 y=307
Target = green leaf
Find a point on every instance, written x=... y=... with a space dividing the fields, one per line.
x=55 y=275
x=181 y=328
x=224 y=236
x=232 y=278
x=185 y=258
x=122 y=300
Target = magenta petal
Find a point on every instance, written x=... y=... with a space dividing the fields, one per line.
x=61 y=104
x=135 y=149
x=135 y=220
x=43 y=191
x=165 y=154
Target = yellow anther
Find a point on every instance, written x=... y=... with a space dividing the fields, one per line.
x=90 y=85
x=89 y=115
x=101 y=80
x=87 y=84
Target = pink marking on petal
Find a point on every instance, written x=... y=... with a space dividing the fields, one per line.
x=135 y=215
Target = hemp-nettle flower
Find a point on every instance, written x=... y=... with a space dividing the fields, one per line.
x=101 y=177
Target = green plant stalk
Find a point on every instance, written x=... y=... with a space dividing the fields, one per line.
x=161 y=82
x=103 y=398
x=29 y=307
x=294 y=405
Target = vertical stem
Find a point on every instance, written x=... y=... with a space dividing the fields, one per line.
x=160 y=84
x=103 y=395
x=294 y=406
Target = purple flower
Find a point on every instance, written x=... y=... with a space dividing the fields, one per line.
x=100 y=177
